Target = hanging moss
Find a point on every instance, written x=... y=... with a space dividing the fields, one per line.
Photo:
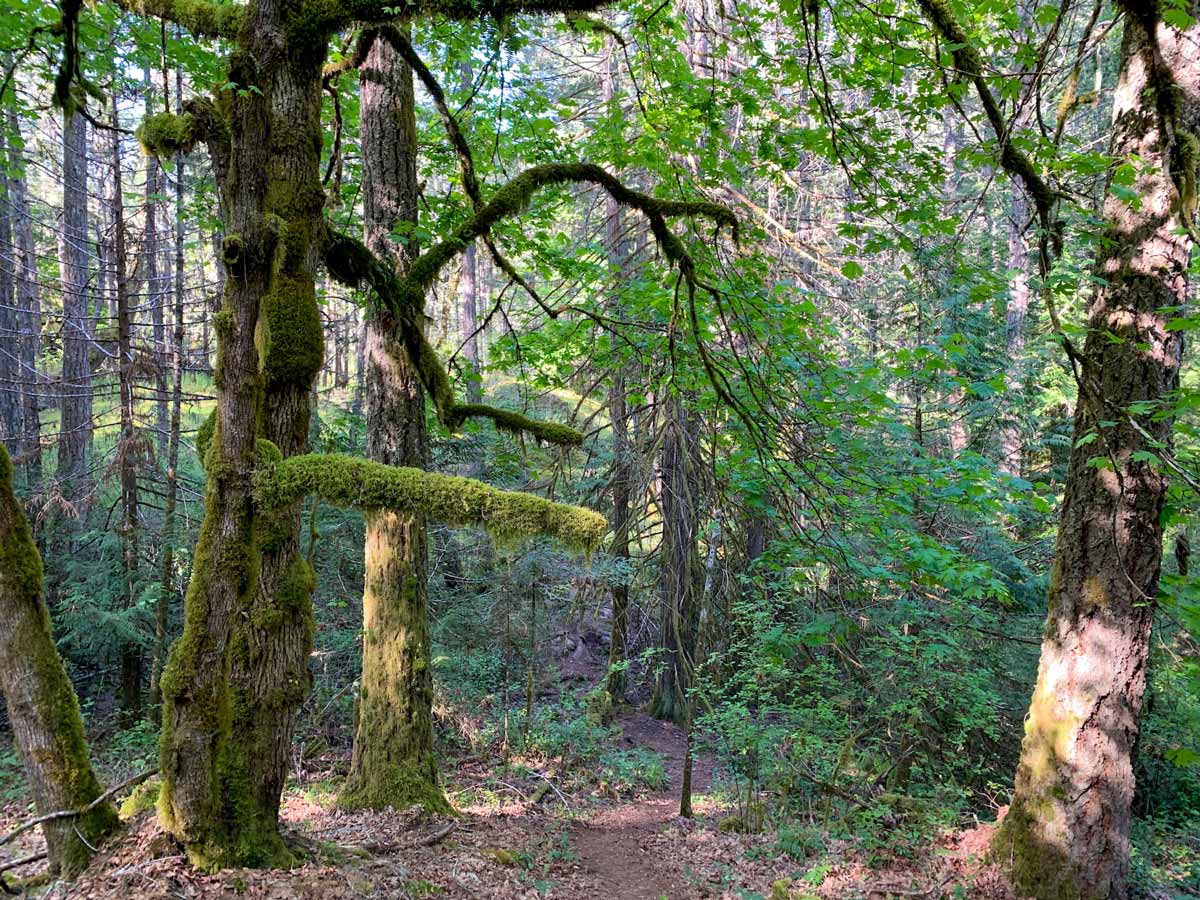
x=290 y=339
x=362 y=484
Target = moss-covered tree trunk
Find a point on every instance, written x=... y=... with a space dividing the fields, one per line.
x=269 y=665
x=208 y=800
x=1066 y=834
x=42 y=707
x=393 y=762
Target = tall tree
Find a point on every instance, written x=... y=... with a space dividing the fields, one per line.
x=1067 y=831
x=129 y=446
x=29 y=319
x=75 y=387
x=393 y=762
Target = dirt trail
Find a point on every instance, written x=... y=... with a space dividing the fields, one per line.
x=615 y=845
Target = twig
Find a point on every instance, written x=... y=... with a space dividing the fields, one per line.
x=71 y=813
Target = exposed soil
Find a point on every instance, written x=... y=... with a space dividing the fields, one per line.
x=554 y=845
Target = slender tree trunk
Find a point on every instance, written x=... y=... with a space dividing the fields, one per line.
x=393 y=762
x=129 y=449
x=167 y=578
x=28 y=305
x=155 y=291
x=10 y=384
x=42 y=707
x=75 y=386
x=678 y=566
x=1066 y=834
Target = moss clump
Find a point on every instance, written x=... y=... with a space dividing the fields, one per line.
x=203 y=18
x=166 y=134
x=204 y=436
x=290 y=339
x=141 y=799
x=359 y=483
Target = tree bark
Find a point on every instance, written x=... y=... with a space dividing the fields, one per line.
x=28 y=305
x=393 y=762
x=678 y=562
x=42 y=707
x=1066 y=834
x=75 y=432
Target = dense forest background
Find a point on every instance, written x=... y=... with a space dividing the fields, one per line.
x=832 y=464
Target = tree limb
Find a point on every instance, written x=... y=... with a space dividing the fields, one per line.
x=203 y=18
x=362 y=484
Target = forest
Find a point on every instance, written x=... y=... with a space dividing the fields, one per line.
x=615 y=449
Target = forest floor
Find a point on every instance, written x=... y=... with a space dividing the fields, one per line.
x=543 y=843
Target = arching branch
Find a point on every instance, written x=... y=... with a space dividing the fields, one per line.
x=359 y=483
x=203 y=18
x=351 y=263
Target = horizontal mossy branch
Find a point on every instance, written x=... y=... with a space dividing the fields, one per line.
x=203 y=18
x=515 y=423
x=359 y=483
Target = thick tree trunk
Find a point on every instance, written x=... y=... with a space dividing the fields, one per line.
x=393 y=762
x=75 y=430
x=211 y=800
x=42 y=706
x=678 y=562
x=1066 y=834
x=269 y=667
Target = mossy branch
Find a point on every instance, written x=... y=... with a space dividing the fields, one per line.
x=1016 y=163
x=166 y=134
x=345 y=12
x=203 y=18
x=350 y=262
x=359 y=483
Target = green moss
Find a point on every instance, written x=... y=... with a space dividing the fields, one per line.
x=515 y=423
x=141 y=799
x=397 y=786
x=203 y=18
x=64 y=759
x=290 y=340
x=359 y=483
x=166 y=134
x=204 y=436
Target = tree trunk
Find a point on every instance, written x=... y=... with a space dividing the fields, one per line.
x=10 y=385
x=622 y=474
x=42 y=707
x=269 y=672
x=393 y=762
x=678 y=562
x=29 y=316
x=75 y=386
x=1066 y=834
x=129 y=448
x=167 y=579
x=155 y=292
x=236 y=675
